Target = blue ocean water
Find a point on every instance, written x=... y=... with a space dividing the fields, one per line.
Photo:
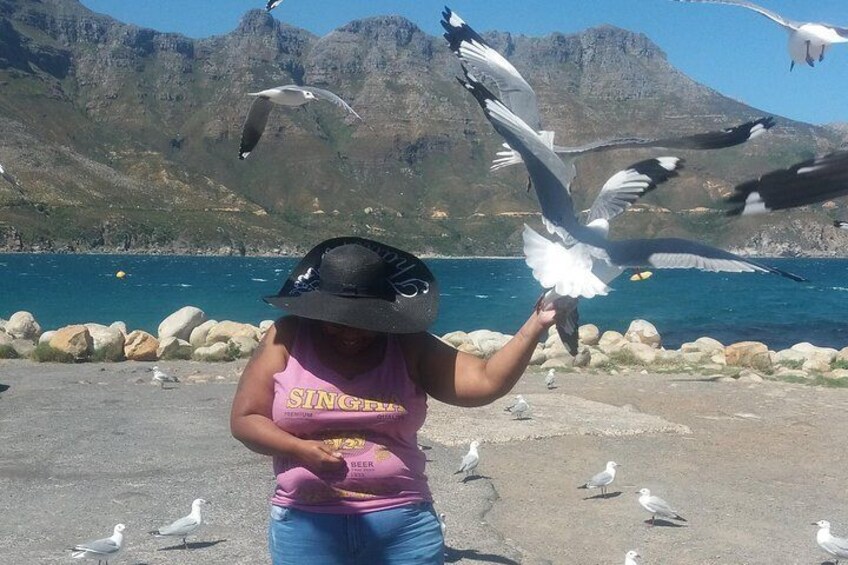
x=495 y=294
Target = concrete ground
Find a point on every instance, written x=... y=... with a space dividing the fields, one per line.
x=750 y=466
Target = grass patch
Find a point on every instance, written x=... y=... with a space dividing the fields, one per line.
x=623 y=357
x=107 y=354
x=812 y=380
x=8 y=352
x=792 y=364
x=839 y=364
x=43 y=353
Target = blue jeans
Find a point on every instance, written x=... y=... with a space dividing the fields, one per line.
x=409 y=534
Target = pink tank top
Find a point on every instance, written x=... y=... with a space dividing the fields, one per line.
x=372 y=419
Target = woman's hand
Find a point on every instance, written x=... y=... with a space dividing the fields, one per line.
x=319 y=457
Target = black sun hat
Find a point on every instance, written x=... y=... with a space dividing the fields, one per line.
x=361 y=283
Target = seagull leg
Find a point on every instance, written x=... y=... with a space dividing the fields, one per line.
x=821 y=55
x=185 y=543
x=791 y=65
x=809 y=57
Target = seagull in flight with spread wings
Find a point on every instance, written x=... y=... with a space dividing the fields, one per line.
x=807 y=40
x=290 y=95
x=515 y=92
x=581 y=270
x=272 y=4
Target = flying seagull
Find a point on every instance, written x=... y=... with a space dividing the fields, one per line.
x=162 y=377
x=814 y=180
x=101 y=549
x=290 y=95
x=807 y=40
x=517 y=95
x=272 y=4
x=550 y=177
x=630 y=558
x=471 y=459
x=185 y=526
x=603 y=479
x=838 y=547
x=657 y=506
x=843 y=225
x=520 y=408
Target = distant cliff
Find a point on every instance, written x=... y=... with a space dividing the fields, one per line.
x=127 y=139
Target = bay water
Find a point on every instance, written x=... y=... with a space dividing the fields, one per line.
x=495 y=294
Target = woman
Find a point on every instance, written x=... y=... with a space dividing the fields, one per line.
x=336 y=393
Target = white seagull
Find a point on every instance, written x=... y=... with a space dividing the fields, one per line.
x=550 y=379
x=520 y=408
x=101 y=549
x=630 y=558
x=838 y=547
x=814 y=180
x=843 y=225
x=657 y=506
x=583 y=261
x=471 y=459
x=185 y=526
x=162 y=377
x=603 y=479
x=272 y=4
x=442 y=524
x=520 y=98
x=290 y=95
x=807 y=40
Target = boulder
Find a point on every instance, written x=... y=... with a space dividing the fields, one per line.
x=23 y=347
x=644 y=353
x=837 y=374
x=173 y=348
x=456 y=338
x=6 y=339
x=789 y=357
x=22 y=325
x=470 y=348
x=108 y=342
x=816 y=364
x=243 y=346
x=539 y=356
x=589 y=334
x=583 y=357
x=120 y=326
x=557 y=363
x=488 y=342
x=709 y=345
x=611 y=341
x=669 y=357
x=747 y=376
x=75 y=340
x=43 y=338
x=218 y=351
x=180 y=323
x=597 y=358
x=694 y=357
x=785 y=373
x=842 y=356
x=751 y=354
x=222 y=332
x=641 y=331
x=265 y=325
x=719 y=358
x=557 y=349
x=141 y=346
x=198 y=334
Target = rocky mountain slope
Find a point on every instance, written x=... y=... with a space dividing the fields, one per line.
x=126 y=139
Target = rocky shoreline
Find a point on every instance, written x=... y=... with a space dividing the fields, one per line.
x=189 y=334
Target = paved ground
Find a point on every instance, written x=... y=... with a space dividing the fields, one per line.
x=750 y=466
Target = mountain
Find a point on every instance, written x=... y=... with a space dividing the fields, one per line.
x=126 y=139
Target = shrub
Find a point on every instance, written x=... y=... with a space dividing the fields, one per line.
x=43 y=353
x=8 y=352
x=623 y=357
x=839 y=364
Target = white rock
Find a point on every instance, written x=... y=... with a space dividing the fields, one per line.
x=557 y=363
x=611 y=341
x=198 y=334
x=6 y=339
x=784 y=372
x=539 y=356
x=597 y=358
x=811 y=351
x=106 y=341
x=789 y=357
x=244 y=346
x=226 y=330
x=645 y=354
x=265 y=325
x=120 y=326
x=709 y=345
x=816 y=365
x=456 y=338
x=583 y=357
x=642 y=331
x=669 y=357
x=180 y=323
x=22 y=325
x=842 y=355
x=43 y=338
x=488 y=342
x=174 y=348
x=218 y=351
x=746 y=376
x=589 y=334
x=23 y=347
x=837 y=374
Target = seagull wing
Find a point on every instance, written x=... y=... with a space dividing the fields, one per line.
x=838 y=546
x=815 y=180
x=272 y=4
x=626 y=186
x=777 y=18
x=254 y=125
x=602 y=479
x=719 y=139
x=550 y=176
x=469 y=462
x=474 y=52
x=322 y=94
x=659 y=506
x=673 y=253
x=103 y=546
x=567 y=271
x=181 y=527
x=843 y=225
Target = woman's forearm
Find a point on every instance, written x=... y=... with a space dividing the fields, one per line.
x=261 y=435
x=506 y=366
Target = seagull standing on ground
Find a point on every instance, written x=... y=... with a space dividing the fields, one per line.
x=442 y=524
x=807 y=40
x=840 y=224
x=520 y=409
x=471 y=460
x=550 y=379
x=162 y=377
x=603 y=479
x=838 y=547
x=290 y=95
x=630 y=558
x=185 y=526
x=814 y=180
x=657 y=506
x=101 y=549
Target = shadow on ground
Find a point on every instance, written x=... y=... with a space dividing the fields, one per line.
x=452 y=555
x=193 y=545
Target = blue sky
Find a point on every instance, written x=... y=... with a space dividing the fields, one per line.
x=730 y=49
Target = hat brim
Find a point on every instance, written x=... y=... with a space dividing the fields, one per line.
x=405 y=313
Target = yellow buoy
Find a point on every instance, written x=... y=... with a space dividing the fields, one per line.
x=641 y=276
x=120 y=274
